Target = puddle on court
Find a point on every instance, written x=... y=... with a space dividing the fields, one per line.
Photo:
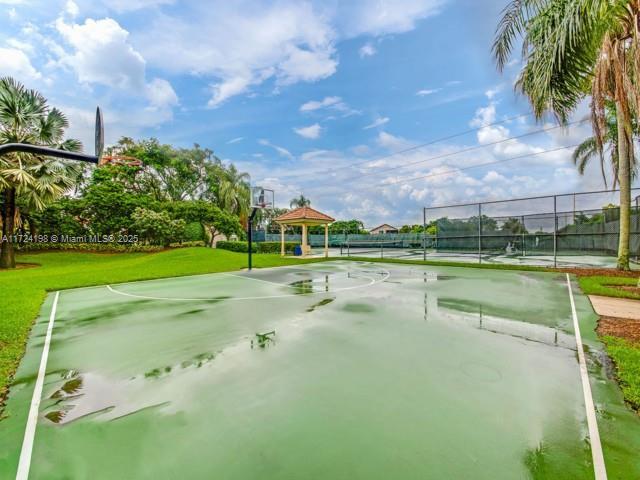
x=454 y=374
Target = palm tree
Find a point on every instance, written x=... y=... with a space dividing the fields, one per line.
x=573 y=48
x=25 y=117
x=234 y=194
x=589 y=149
x=300 y=201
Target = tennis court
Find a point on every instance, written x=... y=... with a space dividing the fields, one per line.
x=338 y=370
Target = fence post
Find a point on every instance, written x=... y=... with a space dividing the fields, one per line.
x=424 y=234
x=479 y=232
x=524 y=239
x=555 y=231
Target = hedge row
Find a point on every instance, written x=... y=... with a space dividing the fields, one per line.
x=101 y=247
x=261 y=247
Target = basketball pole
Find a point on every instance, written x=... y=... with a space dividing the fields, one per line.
x=250 y=234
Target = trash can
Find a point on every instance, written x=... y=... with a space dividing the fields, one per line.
x=297 y=250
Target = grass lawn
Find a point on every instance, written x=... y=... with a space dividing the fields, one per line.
x=24 y=289
x=626 y=356
x=600 y=285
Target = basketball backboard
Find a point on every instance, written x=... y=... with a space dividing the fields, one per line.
x=262 y=197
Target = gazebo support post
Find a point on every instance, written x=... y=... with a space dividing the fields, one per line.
x=326 y=240
x=281 y=240
x=304 y=240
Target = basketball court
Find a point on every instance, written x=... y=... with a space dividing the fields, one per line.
x=339 y=369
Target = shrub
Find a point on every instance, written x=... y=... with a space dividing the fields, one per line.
x=261 y=247
x=242 y=247
x=193 y=231
x=89 y=247
x=274 y=247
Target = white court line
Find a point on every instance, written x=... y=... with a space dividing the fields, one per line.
x=32 y=419
x=372 y=281
x=599 y=468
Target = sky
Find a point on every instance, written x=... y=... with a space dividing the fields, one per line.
x=373 y=109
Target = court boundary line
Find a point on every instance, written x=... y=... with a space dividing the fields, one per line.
x=24 y=463
x=599 y=468
x=372 y=281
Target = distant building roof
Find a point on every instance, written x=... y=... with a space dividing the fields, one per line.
x=304 y=213
x=384 y=226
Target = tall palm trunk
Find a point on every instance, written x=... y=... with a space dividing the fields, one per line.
x=7 y=255
x=625 y=152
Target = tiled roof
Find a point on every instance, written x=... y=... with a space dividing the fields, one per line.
x=304 y=213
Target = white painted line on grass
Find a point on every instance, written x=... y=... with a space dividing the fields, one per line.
x=599 y=468
x=32 y=419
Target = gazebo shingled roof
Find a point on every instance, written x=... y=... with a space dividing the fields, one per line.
x=305 y=217
x=304 y=213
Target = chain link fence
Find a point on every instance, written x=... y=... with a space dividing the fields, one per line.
x=547 y=227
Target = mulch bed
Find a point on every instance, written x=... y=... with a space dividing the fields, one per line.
x=620 y=327
x=602 y=272
x=627 y=288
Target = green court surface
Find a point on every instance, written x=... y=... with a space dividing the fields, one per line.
x=375 y=371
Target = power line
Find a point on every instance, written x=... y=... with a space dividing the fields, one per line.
x=465 y=150
x=454 y=170
x=415 y=147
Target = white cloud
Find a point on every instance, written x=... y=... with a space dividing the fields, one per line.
x=237 y=49
x=160 y=93
x=15 y=63
x=20 y=45
x=130 y=5
x=427 y=91
x=311 y=132
x=13 y=14
x=306 y=65
x=71 y=8
x=391 y=142
x=102 y=54
x=484 y=116
x=378 y=122
x=367 y=50
x=380 y=17
x=235 y=140
x=492 y=92
x=493 y=176
x=361 y=149
x=281 y=150
x=316 y=105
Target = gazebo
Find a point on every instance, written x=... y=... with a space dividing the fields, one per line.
x=305 y=217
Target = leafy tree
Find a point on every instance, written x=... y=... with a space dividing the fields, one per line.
x=212 y=218
x=300 y=201
x=109 y=205
x=514 y=225
x=573 y=48
x=64 y=216
x=156 y=227
x=36 y=180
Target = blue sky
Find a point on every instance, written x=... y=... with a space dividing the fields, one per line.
x=313 y=97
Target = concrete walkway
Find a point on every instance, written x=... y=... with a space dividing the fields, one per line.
x=616 y=307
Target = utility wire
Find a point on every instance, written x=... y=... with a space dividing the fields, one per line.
x=464 y=150
x=410 y=149
x=454 y=170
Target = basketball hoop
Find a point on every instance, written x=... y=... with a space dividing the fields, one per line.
x=121 y=160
